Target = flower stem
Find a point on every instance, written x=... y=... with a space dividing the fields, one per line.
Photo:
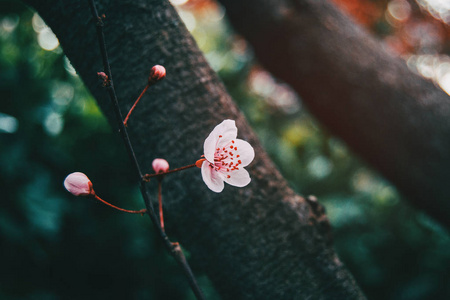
x=134 y=105
x=161 y=217
x=142 y=211
x=148 y=176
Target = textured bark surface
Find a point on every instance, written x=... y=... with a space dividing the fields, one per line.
x=397 y=121
x=258 y=242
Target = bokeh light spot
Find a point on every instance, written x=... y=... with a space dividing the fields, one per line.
x=69 y=68
x=320 y=167
x=178 y=2
x=9 y=23
x=53 y=123
x=47 y=39
x=440 y=9
x=8 y=124
x=399 y=9
x=37 y=23
x=188 y=19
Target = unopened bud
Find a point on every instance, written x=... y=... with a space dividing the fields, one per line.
x=156 y=74
x=160 y=165
x=104 y=78
x=78 y=184
x=102 y=75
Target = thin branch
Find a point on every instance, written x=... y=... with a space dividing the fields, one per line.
x=134 y=105
x=173 y=248
x=161 y=214
x=110 y=87
x=148 y=176
x=142 y=211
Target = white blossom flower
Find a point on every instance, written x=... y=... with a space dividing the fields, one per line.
x=225 y=158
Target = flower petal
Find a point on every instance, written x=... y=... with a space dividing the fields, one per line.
x=209 y=147
x=238 y=178
x=212 y=178
x=221 y=135
x=245 y=152
x=228 y=130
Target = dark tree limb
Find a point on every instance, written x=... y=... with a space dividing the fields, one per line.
x=173 y=248
x=396 y=120
x=258 y=242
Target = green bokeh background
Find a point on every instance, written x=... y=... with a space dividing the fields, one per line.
x=56 y=246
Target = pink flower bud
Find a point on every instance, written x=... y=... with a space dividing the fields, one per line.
x=160 y=165
x=102 y=75
x=78 y=184
x=156 y=74
x=104 y=78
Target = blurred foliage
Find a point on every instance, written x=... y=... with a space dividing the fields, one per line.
x=58 y=246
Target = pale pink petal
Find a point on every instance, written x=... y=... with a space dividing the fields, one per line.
x=245 y=152
x=221 y=134
x=238 y=178
x=228 y=130
x=78 y=184
x=209 y=147
x=212 y=178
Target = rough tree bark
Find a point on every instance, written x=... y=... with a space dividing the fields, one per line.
x=396 y=120
x=258 y=242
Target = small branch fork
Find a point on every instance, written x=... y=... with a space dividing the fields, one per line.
x=173 y=248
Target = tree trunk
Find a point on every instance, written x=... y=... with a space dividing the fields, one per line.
x=258 y=242
x=396 y=120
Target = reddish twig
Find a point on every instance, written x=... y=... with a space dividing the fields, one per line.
x=161 y=216
x=142 y=211
x=147 y=177
x=134 y=105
